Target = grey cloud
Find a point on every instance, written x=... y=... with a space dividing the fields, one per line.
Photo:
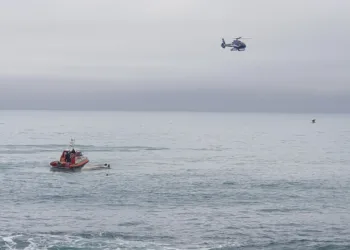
x=162 y=46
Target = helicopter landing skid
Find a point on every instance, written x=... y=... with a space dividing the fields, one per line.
x=234 y=49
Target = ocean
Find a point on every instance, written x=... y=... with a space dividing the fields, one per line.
x=178 y=180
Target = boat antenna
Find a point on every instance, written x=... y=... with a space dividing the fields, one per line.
x=72 y=142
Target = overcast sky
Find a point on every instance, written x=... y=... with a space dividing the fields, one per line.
x=155 y=53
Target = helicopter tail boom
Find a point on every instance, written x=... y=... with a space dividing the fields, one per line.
x=224 y=44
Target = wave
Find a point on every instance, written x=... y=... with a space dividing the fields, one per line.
x=289 y=245
x=301 y=184
x=84 y=240
x=217 y=149
x=30 y=149
x=116 y=240
x=229 y=183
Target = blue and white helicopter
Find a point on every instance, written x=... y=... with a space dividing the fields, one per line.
x=236 y=45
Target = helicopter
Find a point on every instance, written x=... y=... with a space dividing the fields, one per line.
x=236 y=45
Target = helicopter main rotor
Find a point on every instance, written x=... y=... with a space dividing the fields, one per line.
x=242 y=38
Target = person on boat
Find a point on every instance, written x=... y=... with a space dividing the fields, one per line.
x=72 y=157
x=67 y=157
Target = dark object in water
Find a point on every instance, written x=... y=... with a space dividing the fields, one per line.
x=98 y=167
x=314 y=121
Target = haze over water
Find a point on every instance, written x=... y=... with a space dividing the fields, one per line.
x=177 y=181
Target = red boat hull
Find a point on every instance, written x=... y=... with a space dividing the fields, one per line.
x=57 y=165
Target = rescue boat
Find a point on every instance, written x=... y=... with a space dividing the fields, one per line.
x=70 y=160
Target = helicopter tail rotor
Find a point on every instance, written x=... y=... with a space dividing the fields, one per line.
x=223 y=44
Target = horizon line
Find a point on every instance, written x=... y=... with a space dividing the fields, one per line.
x=179 y=111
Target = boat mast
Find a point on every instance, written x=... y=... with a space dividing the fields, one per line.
x=71 y=144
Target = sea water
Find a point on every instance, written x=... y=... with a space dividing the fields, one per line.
x=177 y=181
